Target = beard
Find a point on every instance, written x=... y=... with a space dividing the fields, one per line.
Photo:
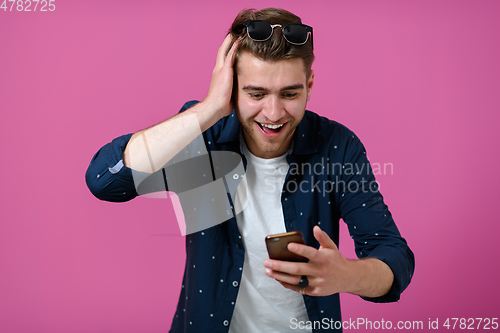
x=279 y=144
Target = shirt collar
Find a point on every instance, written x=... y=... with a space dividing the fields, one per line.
x=303 y=140
x=230 y=129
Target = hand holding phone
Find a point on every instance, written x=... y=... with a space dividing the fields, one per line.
x=277 y=246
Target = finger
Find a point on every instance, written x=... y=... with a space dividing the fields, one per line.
x=291 y=268
x=323 y=239
x=230 y=55
x=303 y=250
x=281 y=277
x=307 y=291
x=221 y=54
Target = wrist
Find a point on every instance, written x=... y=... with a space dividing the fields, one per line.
x=369 y=277
x=354 y=276
x=207 y=115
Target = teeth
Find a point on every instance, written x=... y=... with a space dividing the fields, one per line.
x=272 y=126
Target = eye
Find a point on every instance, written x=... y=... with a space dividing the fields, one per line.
x=256 y=95
x=289 y=95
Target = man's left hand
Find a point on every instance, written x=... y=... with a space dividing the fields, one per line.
x=328 y=271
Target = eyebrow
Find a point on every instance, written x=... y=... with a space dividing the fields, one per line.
x=256 y=88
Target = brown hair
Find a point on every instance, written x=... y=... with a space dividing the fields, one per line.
x=275 y=48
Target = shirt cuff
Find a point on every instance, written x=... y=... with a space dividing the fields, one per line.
x=402 y=263
x=107 y=177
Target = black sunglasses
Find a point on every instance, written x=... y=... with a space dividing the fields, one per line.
x=294 y=33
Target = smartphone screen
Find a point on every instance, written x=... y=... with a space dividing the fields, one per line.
x=277 y=246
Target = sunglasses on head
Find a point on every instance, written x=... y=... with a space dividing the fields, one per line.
x=294 y=33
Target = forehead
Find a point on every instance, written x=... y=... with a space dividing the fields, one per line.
x=253 y=70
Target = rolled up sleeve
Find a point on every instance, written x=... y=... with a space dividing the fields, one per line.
x=107 y=177
x=370 y=222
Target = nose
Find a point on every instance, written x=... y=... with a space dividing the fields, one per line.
x=273 y=109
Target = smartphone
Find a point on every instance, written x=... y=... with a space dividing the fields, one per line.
x=277 y=246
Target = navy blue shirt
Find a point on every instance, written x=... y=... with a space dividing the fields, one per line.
x=329 y=179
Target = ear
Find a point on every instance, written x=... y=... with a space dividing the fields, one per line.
x=310 y=84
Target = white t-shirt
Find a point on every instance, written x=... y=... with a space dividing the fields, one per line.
x=263 y=305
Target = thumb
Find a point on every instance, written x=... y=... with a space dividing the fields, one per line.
x=324 y=240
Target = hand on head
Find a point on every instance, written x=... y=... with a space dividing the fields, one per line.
x=219 y=95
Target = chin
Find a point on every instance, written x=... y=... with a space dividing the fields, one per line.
x=269 y=148
x=266 y=145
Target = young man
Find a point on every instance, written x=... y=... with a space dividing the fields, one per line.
x=301 y=172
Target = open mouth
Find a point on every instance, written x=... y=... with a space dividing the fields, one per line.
x=271 y=129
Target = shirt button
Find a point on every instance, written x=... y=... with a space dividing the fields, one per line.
x=225 y=323
x=237 y=245
x=235 y=284
x=236 y=176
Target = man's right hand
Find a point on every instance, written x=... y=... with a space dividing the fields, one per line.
x=218 y=99
x=150 y=149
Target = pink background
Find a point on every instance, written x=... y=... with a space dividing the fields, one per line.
x=418 y=81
